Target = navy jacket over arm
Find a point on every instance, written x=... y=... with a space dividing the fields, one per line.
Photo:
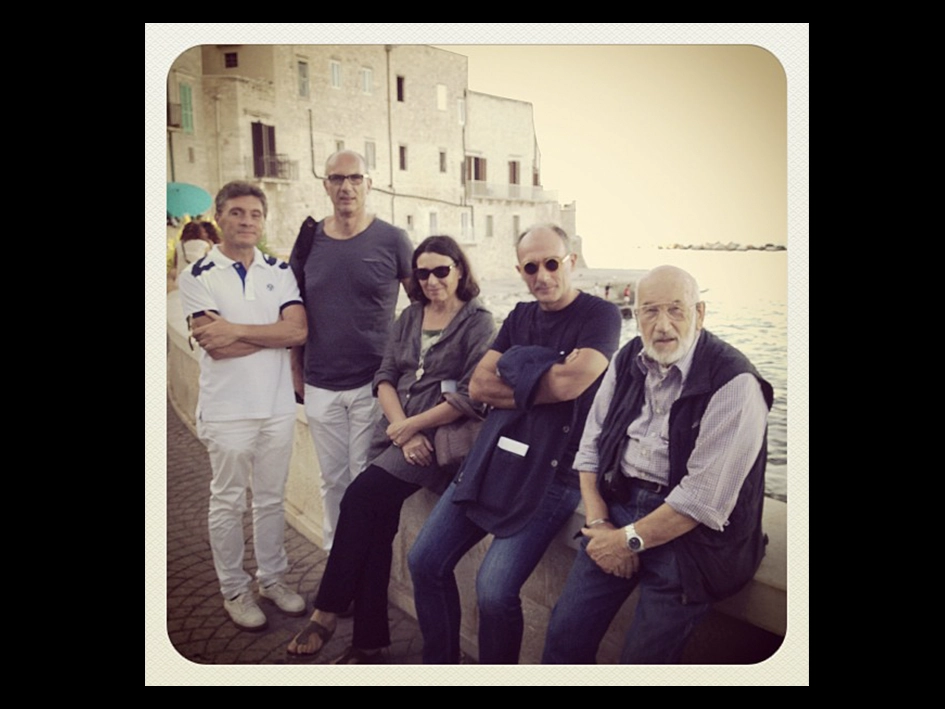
x=498 y=488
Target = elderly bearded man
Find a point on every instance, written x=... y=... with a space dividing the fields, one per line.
x=672 y=465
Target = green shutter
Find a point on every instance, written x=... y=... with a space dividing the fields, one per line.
x=186 y=109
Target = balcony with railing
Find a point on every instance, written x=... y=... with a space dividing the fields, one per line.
x=495 y=190
x=276 y=166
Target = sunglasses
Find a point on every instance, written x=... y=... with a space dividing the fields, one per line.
x=423 y=274
x=551 y=264
x=339 y=180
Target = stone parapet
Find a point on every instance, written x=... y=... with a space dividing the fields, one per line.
x=746 y=628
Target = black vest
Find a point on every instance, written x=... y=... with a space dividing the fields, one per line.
x=712 y=564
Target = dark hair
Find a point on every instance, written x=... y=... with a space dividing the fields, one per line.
x=205 y=231
x=192 y=231
x=210 y=229
x=445 y=246
x=238 y=188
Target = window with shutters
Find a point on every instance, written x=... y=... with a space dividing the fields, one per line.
x=303 y=79
x=186 y=108
x=476 y=169
x=265 y=161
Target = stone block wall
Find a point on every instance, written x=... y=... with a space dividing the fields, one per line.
x=746 y=628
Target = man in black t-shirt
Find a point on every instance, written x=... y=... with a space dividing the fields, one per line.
x=535 y=438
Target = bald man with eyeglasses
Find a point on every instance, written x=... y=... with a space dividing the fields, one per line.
x=349 y=267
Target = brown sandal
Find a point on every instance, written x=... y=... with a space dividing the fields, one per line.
x=304 y=635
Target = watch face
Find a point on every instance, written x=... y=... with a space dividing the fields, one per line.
x=634 y=542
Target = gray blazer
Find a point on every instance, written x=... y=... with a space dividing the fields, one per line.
x=454 y=357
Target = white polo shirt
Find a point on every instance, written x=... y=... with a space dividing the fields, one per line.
x=258 y=385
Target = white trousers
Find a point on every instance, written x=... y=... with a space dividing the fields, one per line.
x=341 y=423
x=252 y=453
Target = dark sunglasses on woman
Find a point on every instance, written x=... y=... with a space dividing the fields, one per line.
x=423 y=274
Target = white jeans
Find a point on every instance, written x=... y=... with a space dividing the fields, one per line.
x=256 y=453
x=341 y=423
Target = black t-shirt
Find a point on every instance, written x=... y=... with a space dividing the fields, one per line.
x=588 y=321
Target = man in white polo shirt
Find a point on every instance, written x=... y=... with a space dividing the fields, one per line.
x=245 y=311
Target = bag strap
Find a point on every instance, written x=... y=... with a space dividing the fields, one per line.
x=300 y=251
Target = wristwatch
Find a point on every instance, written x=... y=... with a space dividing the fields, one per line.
x=634 y=540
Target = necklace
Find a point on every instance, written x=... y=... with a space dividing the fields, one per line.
x=431 y=337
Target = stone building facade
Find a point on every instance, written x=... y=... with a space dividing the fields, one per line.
x=443 y=159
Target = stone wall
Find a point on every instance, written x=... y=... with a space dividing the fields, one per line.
x=746 y=628
x=336 y=106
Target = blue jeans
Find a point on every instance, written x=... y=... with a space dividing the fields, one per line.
x=591 y=598
x=444 y=540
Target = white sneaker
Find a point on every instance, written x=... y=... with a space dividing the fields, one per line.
x=286 y=600
x=244 y=612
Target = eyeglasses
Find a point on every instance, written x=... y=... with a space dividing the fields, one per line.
x=423 y=274
x=676 y=312
x=551 y=264
x=339 y=180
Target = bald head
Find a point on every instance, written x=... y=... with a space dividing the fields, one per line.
x=346 y=156
x=561 y=234
x=347 y=185
x=665 y=278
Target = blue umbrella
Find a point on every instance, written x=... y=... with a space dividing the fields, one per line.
x=183 y=198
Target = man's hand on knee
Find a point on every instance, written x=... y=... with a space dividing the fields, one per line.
x=608 y=549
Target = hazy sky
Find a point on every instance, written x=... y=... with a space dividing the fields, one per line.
x=656 y=143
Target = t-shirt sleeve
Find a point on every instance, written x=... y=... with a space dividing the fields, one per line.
x=195 y=297
x=601 y=327
x=404 y=255
x=389 y=371
x=504 y=339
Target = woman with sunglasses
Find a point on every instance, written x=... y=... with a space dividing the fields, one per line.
x=433 y=349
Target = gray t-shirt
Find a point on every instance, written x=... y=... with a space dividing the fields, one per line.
x=350 y=294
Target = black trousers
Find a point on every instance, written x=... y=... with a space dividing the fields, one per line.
x=359 y=563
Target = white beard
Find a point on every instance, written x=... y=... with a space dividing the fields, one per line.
x=667 y=358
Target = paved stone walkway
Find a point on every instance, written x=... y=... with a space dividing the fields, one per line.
x=197 y=625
